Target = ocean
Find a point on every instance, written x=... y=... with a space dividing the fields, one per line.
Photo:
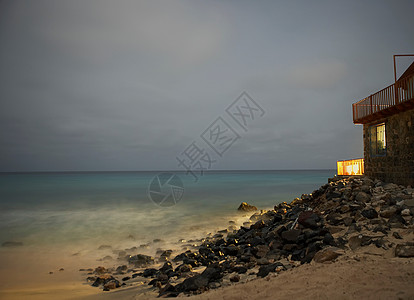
x=85 y=210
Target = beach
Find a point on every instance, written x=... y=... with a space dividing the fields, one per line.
x=349 y=239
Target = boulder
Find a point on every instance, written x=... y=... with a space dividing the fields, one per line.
x=265 y=270
x=362 y=197
x=404 y=250
x=291 y=235
x=388 y=212
x=369 y=213
x=12 y=244
x=246 y=207
x=327 y=254
x=140 y=260
x=309 y=219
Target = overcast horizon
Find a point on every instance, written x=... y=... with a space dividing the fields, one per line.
x=130 y=85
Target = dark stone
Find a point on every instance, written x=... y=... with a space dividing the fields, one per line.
x=334 y=218
x=126 y=278
x=369 y=213
x=404 y=250
x=235 y=278
x=112 y=284
x=246 y=207
x=150 y=272
x=348 y=221
x=184 y=268
x=328 y=239
x=162 y=278
x=167 y=267
x=291 y=235
x=309 y=219
x=258 y=225
x=265 y=270
x=193 y=283
x=12 y=244
x=239 y=269
x=141 y=260
x=397 y=235
x=102 y=280
x=180 y=257
x=325 y=255
x=396 y=221
x=231 y=250
x=168 y=290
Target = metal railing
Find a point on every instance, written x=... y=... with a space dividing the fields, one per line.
x=399 y=92
x=350 y=167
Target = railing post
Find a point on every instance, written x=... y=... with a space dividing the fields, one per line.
x=370 y=104
x=396 y=93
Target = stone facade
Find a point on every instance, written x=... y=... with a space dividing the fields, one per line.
x=397 y=165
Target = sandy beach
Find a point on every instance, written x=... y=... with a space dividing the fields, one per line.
x=367 y=254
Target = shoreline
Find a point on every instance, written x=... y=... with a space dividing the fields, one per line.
x=297 y=249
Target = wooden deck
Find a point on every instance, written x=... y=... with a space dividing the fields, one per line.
x=391 y=100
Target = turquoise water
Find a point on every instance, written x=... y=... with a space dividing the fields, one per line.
x=114 y=207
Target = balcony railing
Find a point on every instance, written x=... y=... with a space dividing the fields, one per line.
x=350 y=167
x=385 y=102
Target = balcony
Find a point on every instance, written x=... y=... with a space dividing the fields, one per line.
x=389 y=101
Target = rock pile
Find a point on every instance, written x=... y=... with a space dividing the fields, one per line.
x=345 y=214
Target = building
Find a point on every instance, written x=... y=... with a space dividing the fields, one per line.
x=388 y=130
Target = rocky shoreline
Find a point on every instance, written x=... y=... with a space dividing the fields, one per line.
x=341 y=217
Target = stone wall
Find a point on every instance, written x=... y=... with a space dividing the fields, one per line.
x=397 y=165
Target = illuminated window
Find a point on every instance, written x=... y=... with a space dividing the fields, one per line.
x=378 y=141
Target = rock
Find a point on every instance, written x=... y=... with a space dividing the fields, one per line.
x=334 y=218
x=141 y=260
x=246 y=207
x=327 y=254
x=184 y=268
x=369 y=213
x=396 y=221
x=100 y=270
x=239 y=269
x=348 y=221
x=404 y=250
x=150 y=272
x=167 y=268
x=309 y=219
x=214 y=285
x=406 y=212
x=357 y=241
x=193 y=283
x=362 y=197
x=397 y=235
x=113 y=284
x=291 y=235
x=168 y=291
x=103 y=279
x=126 y=278
x=12 y=244
x=261 y=250
x=265 y=270
x=388 y=212
x=163 y=278
x=258 y=225
x=121 y=269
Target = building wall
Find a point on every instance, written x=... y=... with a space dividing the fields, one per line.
x=397 y=165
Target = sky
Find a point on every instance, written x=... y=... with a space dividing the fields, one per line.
x=104 y=85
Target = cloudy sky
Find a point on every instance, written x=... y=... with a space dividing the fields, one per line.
x=128 y=85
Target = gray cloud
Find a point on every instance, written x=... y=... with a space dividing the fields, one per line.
x=127 y=85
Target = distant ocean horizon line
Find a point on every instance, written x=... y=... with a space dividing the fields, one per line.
x=173 y=171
